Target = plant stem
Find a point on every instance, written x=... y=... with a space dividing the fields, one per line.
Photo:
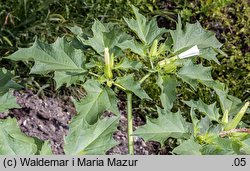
x=144 y=78
x=91 y=73
x=130 y=124
x=119 y=86
x=151 y=63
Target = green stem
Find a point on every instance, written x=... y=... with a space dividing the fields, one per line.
x=91 y=73
x=130 y=124
x=144 y=78
x=151 y=63
x=119 y=86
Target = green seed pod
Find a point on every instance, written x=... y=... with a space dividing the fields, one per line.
x=168 y=64
x=170 y=68
x=233 y=123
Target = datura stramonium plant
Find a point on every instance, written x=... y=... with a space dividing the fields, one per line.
x=112 y=60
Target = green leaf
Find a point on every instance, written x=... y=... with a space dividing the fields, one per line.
x=195 y=122
x=209 y=54
x=210 y=110
x=115 y=36
x=8 y=101
x=6 y=81
x=237 y=104
x=96 y=42
x=194 y=34
x=204 y=125
x=68 y=78
x=43 y=147
x=236 y=120
x=130 y=84
x=166 y=125
x=245 y=148
x=113 y=101
x=147 y=31
x=168 y=91
x=126 y=64
x=13 y=141
x=134 y=46
x=60 y=56
x=106 y=36
x=188 y=147
x=194 y=74
x=229 y=104
x=46 y=149
x=90 y=139
x=218 y=146
x=98 y=100
x=76 y=30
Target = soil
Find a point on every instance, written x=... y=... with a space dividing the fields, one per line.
x=47 y=119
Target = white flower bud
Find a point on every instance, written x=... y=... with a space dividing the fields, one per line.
x=106 y=56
